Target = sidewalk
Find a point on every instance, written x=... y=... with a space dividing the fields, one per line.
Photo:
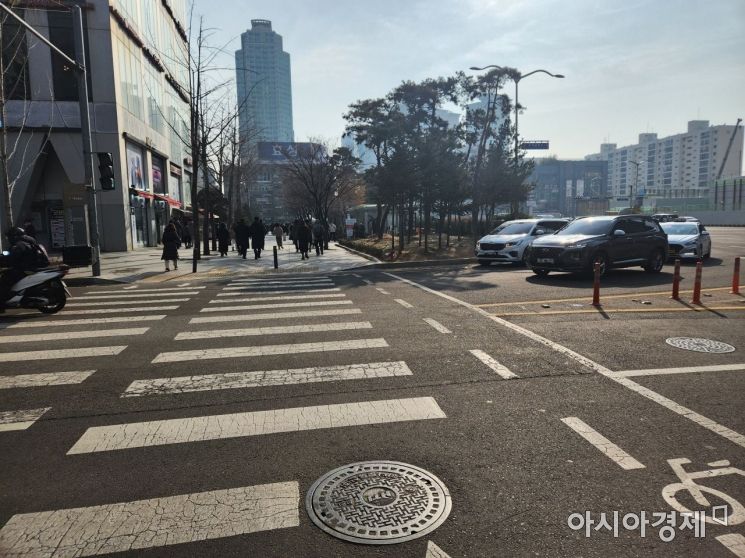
x=145 y=265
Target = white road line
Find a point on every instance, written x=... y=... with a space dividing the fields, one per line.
x=257 y=423
x=734 y=542
x=357 y=275
x=276 y=316
x=244 y=285
x=382 y=291
x=434 y=551
x=123 y=302
x=187 y=284
x=130 y=296
x=725 y=432
x=66 y=335
x=275 y=330
x=268 y=350
x=118 y=310
x=291 y=295
x=86 y=321
x=680 y=370
x=496 y=366
x=367 y=281
x=403 y=303
x=130 y=287
x=611 y=450
x=143 y=291
x=278 y=290
x=43 y=380
x=51 y=354
x=19 y=420
x=437 y=325
x=274 y=306
x=285 y=280
x=240 y=380
x=152 y=523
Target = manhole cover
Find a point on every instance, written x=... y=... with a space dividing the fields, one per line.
x=700 y=345
x=378 y=502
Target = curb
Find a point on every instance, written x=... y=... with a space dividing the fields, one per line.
x=360 y=254
x=423 y=263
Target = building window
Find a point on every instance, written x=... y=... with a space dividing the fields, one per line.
x=14 y=59
x=64 y=79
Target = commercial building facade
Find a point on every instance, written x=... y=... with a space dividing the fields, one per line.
x=136 y=54
x=570 y=188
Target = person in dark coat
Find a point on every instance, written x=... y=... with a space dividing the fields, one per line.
x=186 y=228
x=223 y=239
x=304 y=236
x=258 y=232
x=293 y=233
x=171 y=243
x=242 y=233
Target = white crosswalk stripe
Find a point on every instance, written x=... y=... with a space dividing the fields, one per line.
x=282 y=288
x=130 y=296
x=67 y=312
x=144 y=291
x=152 y=523
x=286 y=280
x=86 y=321
x=240 y=285
x=275 y=306
x=275 y=330
x=256 y=423
x=268 y=298
x=240 y=380
x=52 y=354
x=44 y=379
x=268 y=350
x=276 y=316
x=67 y=335
x=19 y=420
x=124 y=302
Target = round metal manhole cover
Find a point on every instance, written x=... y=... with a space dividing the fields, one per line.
x=700 y=345
x=378 y=502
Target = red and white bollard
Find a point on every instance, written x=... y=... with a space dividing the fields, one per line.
x=736 y=277
x=596 y=285
x=697 y=283
x=676 y=281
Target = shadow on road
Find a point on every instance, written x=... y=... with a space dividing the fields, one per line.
x=626 y=278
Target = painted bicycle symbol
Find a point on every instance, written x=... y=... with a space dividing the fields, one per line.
x=697 y=491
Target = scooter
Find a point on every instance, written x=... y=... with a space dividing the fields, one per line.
x=42 y=289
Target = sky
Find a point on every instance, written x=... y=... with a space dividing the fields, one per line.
x=631 y=66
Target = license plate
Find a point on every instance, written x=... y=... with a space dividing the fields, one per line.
x=545 y=260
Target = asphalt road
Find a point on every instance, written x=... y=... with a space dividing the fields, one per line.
x=146 y=448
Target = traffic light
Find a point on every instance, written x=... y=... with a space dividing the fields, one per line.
x=106 y=171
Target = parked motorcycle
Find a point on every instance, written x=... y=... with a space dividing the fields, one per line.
x=42 y=289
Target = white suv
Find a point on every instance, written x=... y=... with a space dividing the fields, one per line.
x=507 y=243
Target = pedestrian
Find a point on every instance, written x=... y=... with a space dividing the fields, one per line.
x=293 y=233
x=332 y=231
x=187 y=228
x=318 y=234
x=223 y=239
x=171 y=243
x=304 y=236
x=242 y=233
x=257 y=232
x=278 y=234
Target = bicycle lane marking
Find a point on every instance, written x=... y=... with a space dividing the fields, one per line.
x=719 y=429
x=734 y=542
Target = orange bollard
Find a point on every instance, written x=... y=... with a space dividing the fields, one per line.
x=596 y=285
x=697 y=283
x=676 y=281
x=736 y=277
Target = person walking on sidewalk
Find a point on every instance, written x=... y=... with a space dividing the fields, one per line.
x=294 y=227
x=187 y=228
x=332 y=231
x=223 y=239
x=258 y=232
x=318 y=233
x=241 y=237
x=278 y=233
x=304 y=236
x=171 y=243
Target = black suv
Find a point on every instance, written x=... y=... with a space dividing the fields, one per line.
x=620 y=241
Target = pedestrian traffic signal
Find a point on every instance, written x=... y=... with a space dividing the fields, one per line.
x=106 y=171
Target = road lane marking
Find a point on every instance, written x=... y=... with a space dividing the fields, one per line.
x=240 y=380
x=130 y=287
x=118 y=310
x=86 y=321
x=137 y=295
x=403 y=303
x=51 y=354
x=153 y=523
x=187 y=284
x=734 y=542
x=496 y=366
x=291 y=295
x=281 y=288
x=268 y=350
x=434 y=551
x=169 y=289
x=275 y=316
x=286 y=280
x=66 y=335
x=123 y=302
x=256 y=423
x=680 y=370
x=357 y=275
x=367 y=281
x=382 y=291
x=274 y=306
x=300 y=282
x=611 y=450
x=19 y=420
x=605 y=310
x=437 y=325
x=721 y=430
x=43 y=380
x=244 y=292
x=275 y=330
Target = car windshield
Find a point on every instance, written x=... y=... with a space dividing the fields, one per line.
x=513 y=228
x=587 y=226
x=680 y=228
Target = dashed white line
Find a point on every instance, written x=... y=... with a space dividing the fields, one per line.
x=357 y=275
x=86 y=321
x=611 y=450
x=281 y=288
x=680 y=370
x=66 y=335
x=290 y=295
x=437 y=325
x=123 y=302
x=367 y=281
x=274 y=306
x=734 y=542
x=275 y=316
x=403 y=303
x=43 y=380
x=186 y=285
x=132 y=296
x=163 y=290
x=19 y=420
x=382 y=291
x=130 y=287
x=52 y=354
x=118 y=310
x=275 y=330
x=496 y=366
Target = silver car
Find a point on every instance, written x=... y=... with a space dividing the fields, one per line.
x=687 y=240
x=507 y=243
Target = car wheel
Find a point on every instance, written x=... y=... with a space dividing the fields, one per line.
x=655 y=262
x=602 y=259
x=541 y=272
x=485 y=263
x=525 y=257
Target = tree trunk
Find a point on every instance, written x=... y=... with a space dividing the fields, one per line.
x=4 y=175
x=450 y=222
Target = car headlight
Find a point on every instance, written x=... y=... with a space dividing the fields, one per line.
x=511 y=244
x=691 y=244
x=478 y=245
